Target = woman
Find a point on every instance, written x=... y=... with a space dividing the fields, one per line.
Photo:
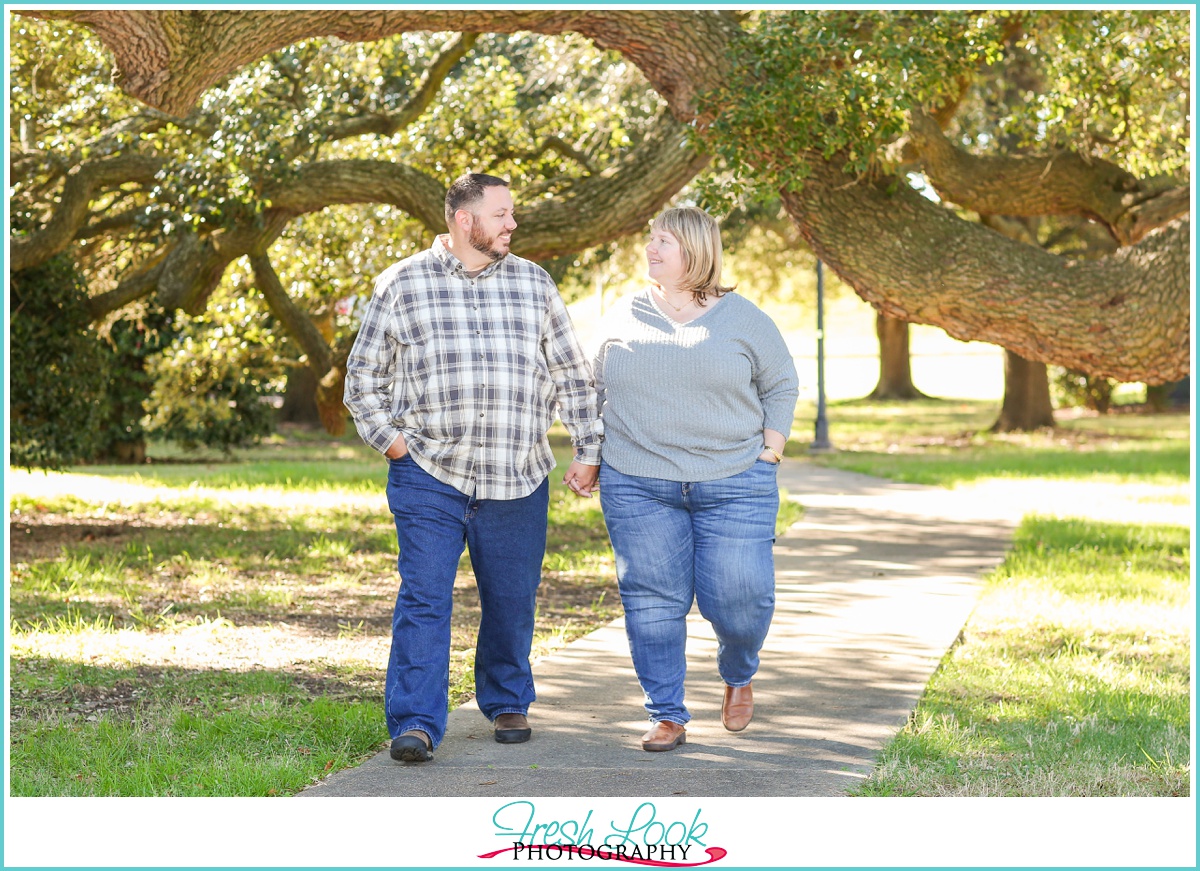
x=697 y=393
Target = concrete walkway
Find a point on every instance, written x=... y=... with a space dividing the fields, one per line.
x=874 y=584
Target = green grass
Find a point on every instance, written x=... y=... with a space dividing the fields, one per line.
x=94 y=580
x=1071 y=676
x=945 y=442
x=342 y=475
x=789 y=512
x=165 y=732
x=1078 y=637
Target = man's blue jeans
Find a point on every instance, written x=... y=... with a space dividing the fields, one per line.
x=507 y=541
x=674 y=542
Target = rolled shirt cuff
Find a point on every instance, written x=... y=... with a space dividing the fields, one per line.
x=589 y=455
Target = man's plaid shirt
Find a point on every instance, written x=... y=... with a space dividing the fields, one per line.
x=471 y=371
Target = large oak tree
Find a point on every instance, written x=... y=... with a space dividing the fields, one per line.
x=828 y=109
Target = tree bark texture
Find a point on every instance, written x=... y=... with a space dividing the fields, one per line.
x=168 y=58
x=1062 y=183
x=895 y=362
x=1126 y=316
x=589 y=211
x=295 y=320
x=1026 y=405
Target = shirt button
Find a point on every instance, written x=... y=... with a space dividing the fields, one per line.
x=481 y=414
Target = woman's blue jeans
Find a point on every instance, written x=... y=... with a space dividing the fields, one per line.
x=674 y=542
x=507 y=541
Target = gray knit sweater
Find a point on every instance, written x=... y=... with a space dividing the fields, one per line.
x=689 y=402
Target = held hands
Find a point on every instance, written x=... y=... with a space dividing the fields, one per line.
x=581 y=478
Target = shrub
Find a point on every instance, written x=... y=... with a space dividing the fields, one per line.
x=1074 y=388
x=209 y=387
x=59 y=375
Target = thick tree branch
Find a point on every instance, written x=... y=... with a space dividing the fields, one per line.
x=1125 y=316
x=194 y=265
x=168 y=58
x=614 y=203
x=342 y=182
x=82 y=183
x=294 y=319
x=143 y=282
x=1063 y=183
x=586 y=211
x=1147 y=216
x=329 y=364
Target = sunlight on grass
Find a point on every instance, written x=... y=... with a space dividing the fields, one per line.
x=945 y=442
x=1072 y=676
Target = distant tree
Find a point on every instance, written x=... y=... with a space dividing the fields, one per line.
x=895 y=361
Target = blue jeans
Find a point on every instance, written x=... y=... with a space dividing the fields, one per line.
x=507 y=541
x=708 y=541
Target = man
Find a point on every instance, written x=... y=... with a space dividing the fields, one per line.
x=464 y=355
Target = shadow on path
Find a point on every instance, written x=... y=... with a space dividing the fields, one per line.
x=869 y=598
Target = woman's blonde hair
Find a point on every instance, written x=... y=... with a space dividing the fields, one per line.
x=700 y=241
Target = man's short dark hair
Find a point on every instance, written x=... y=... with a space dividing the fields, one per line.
x=467 y=190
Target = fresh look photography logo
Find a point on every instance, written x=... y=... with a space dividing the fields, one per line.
x=645 y=837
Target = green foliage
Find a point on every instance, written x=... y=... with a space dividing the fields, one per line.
x=78 y=394
x=763 y=255
x=837 y=83
x=209 y=389
x=539 y=110
x=133 y=341
x=1078 y=389
x=1112 y=83
x=59 y=369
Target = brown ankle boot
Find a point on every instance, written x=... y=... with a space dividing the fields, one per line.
x=663 y=735
x=738 y=708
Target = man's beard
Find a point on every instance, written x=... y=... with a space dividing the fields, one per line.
x=483 y=243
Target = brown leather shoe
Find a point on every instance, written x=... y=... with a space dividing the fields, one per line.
x=512 y=729
x=663 y=735
x=738 y=708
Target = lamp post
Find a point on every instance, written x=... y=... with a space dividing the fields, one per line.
x=820 y=443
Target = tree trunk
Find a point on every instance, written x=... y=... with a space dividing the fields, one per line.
x=131 y=453
x=1026 y=405
x=300 y=398
x=895 y=363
